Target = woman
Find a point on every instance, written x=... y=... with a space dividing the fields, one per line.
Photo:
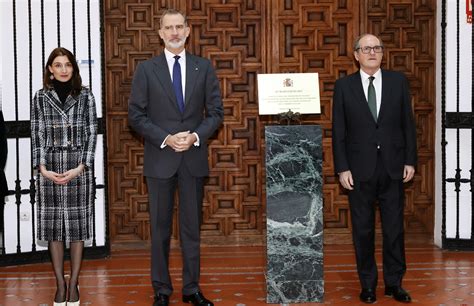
x=64 y=134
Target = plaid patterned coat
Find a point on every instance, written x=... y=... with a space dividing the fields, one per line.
x=64 y=136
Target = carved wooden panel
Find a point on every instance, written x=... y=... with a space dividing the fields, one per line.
x=232 y=36
x=242 y=39
x=317 y=36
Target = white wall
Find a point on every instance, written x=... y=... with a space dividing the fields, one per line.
x=7 y=79
x=465 y=56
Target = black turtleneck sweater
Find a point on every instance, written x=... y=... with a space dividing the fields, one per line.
x=63 y=89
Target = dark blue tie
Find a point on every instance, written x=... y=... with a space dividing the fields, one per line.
x=178 y=87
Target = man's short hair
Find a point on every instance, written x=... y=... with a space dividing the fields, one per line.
x=357 y=40
x=173 y=12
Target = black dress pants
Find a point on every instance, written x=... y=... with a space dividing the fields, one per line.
x=390 y=196
x=161 y=196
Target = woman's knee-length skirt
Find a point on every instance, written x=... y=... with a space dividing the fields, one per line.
x=64 y=212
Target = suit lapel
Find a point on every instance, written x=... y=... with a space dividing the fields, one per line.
x=356 y=85
x=192 y=71
x=386 y=90
x=52 y=99
x=70 y=101
x=162 y=73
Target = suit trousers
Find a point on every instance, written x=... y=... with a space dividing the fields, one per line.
x=390 y=196
x=161 y=196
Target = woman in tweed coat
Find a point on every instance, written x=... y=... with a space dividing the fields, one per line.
x=64 y=134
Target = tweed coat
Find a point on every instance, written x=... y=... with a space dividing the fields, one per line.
x=64 y=136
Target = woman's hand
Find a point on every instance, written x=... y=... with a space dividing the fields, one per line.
x=61 y=178
x=71 y=174
x=50 y=175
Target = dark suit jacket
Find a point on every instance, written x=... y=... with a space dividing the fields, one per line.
x=356 y=135
x=153 y=112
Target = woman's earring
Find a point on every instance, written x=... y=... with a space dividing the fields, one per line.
x=51 y=77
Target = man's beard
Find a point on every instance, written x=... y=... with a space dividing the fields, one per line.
x=176 y=44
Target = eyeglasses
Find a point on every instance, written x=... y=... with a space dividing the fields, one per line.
x=177 y=27
x=367 y=49
x=61 y=66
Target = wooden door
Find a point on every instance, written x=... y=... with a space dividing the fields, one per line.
x=242 y=39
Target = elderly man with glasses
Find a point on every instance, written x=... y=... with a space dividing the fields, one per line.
x=374 y=147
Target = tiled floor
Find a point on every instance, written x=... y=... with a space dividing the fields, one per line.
x=235 y=276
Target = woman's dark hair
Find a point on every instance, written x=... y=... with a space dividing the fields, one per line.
x=76 y=80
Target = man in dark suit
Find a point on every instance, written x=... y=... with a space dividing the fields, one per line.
x=175 y=104
x=374 y=146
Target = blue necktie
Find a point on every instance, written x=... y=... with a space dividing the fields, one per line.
x=178 y=87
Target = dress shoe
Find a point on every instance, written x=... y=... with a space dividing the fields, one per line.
x=398 y=294
x=161 y=300
x=197 y=299
x=368 y=296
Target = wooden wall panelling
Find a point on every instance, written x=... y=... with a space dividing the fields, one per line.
x=130 y=37
x=232 y=36
x=242 y=39
x=316 y=36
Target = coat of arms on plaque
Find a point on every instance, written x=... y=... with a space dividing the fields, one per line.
x=287 y=82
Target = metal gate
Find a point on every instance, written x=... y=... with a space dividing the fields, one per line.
x=457 y=133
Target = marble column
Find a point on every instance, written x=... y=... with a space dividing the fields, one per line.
x=294 y=214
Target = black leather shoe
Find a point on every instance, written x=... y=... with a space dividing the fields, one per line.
x=398 y=293
x=161 y=300
x=197 y=299
x=368 y=296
